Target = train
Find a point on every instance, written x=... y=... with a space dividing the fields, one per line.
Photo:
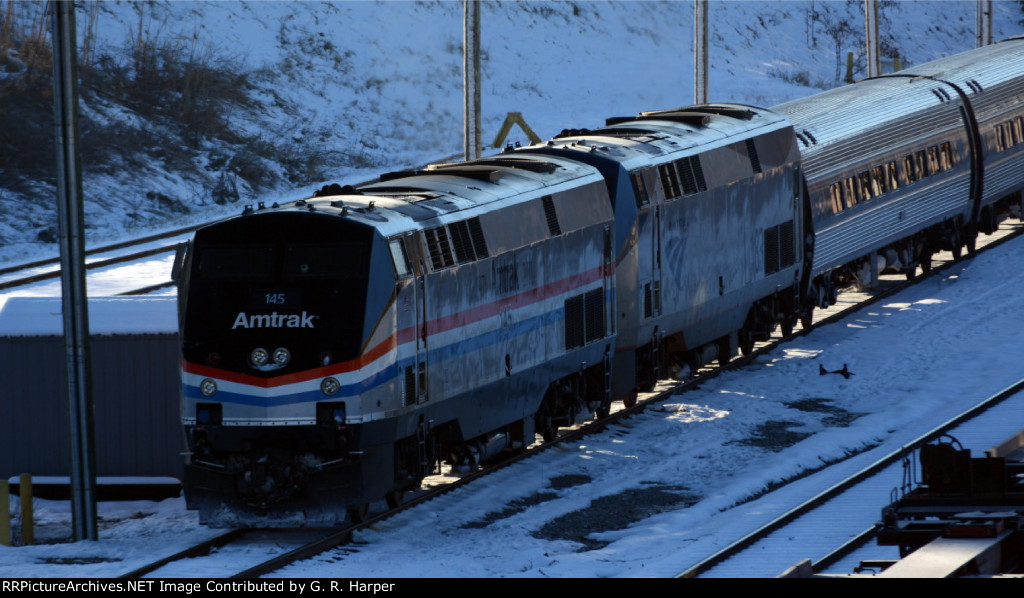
x=337 y=348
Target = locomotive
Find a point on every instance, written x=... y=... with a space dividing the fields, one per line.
x=336 y=348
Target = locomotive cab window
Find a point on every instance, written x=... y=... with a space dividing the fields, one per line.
x=332 y=261
x=399 y=257
x=639 y=188
x=236 y=262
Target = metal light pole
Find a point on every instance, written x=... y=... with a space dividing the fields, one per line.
x=72 y=262
x=983 y=27
x=700 y=51
x=871 y=33
x=471 y=79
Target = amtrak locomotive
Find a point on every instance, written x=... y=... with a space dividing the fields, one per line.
x=336 y=348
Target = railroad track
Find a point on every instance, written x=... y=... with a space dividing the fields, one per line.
x=228 y=543
x=53 y=270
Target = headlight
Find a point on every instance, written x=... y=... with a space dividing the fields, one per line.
x=330 y=386
x=209 y=414
x=259 y=356
x=208 y=387
x=282 y=356
x=330 y=413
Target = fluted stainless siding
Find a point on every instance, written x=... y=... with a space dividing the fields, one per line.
x=868 y=124
x=999 y=71
x=135 y=392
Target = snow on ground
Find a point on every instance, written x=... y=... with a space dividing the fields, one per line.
x=917 y=359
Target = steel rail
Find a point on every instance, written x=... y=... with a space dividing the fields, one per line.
x=106 y=248
x=199 y=549
x=90 y=266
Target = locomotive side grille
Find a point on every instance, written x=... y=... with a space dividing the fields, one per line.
x=549 y=213
x=787 y=245
x=574 y=326
x=698 y=173
x=477 y=234
x=409 y=397
x=755 y=162
x=779 y=247
x=439 y=248
x=594 y=313
x=462 y=242
x=652 y=299
x=669 y=180
x=771 y=250
x=686 y=171
x=584 y=318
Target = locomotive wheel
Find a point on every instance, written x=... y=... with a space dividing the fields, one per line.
x=926 y=263
x=630 y=399
x=358 y=514
x=807 y=319
x=395 y=498
x=547 y=428
x=787 y=324
x=746 y=341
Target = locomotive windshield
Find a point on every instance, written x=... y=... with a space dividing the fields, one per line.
x=294 y=280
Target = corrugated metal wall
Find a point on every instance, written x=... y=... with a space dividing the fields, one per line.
x=136 y=385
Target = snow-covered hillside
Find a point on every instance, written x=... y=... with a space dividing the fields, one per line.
x=360 y=88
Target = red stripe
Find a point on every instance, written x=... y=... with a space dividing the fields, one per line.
x=529 y=297
x=329 y=370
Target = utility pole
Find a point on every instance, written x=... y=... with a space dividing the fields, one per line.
x=983 y=27
x=700 y=51
x=72 y=263
x=471 y=79
x=871 y=32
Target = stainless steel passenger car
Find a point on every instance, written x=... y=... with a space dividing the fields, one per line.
x=991 y=79
x=897 y=166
